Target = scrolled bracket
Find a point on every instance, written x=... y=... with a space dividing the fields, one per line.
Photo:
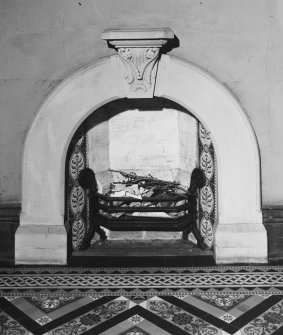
x=139 y=51
x=140 y=65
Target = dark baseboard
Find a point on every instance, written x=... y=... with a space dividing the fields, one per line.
x=273 y=214
x=273 y=222
x=10 y=214
x=9 y=221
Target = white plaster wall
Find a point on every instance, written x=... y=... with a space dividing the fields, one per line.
x=42 y=42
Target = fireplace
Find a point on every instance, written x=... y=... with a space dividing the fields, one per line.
x=140 y=71
x=161 y=143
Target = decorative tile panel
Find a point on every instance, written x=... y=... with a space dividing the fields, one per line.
x=206 y=311
x=76 y=205
x=208 y=195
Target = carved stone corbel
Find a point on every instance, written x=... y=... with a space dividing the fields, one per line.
x=139 y=51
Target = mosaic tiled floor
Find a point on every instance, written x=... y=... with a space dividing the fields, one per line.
x=142 y=301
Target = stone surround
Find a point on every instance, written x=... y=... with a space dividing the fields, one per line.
x=240 y=234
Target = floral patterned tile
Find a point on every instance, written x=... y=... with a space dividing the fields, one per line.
x=267 y=323
x=223 y=302
x=44 y=309
x=203 y=305
x=93 y=318
x=72 y=305
x=144 y=327
x=223 y=305
x=9 y=326
x=158 y=315
x=181 y=318
x=50 y=304
x=246 y=305
x=43 y=320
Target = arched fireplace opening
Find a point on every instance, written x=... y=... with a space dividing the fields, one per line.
x=152 y=138
x=42 y=237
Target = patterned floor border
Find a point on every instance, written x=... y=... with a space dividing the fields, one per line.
x=60 y=281
x=239 y=300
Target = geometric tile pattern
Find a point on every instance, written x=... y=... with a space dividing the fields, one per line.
x=48 y=304
x=136 y=319
x=148 y=281
x=155 y=315
x=224 y=302
x=134 y=331
x=142 y=280
x=43 y=320
x=143 y=311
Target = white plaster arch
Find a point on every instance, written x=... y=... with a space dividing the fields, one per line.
x=240 y=235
